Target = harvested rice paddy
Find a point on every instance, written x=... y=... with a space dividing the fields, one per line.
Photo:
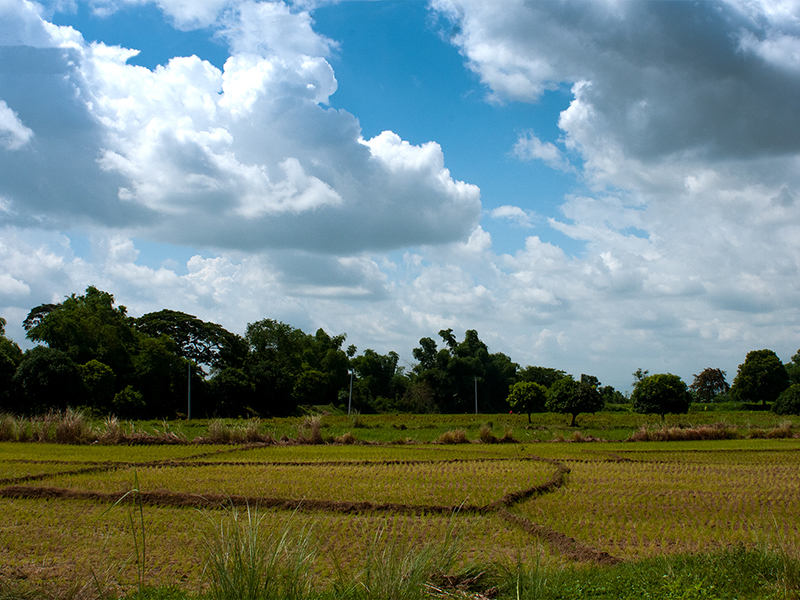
x=563 y=503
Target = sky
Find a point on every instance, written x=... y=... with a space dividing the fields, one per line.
x=595 y=186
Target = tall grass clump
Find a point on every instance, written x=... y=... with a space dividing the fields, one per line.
x=454 y=436
x=248 y=560
x=310 y=430
x=244 y=432
x=398 y=568
x=8 y=428
x=668 y=433
x=73 y=428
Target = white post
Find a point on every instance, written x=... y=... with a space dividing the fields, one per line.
x=350 y=402
x=189 y=398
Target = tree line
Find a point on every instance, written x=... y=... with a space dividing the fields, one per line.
x=91 y=354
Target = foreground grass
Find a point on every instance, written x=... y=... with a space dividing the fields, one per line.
x=396 y=572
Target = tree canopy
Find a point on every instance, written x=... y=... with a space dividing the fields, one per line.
x=760 y=378
x=528 y=397
x=570 y=397
x=660 y=394
x=709 y=384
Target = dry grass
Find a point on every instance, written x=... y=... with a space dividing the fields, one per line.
x=782 y=431
x=665 y=433
x=454 y=436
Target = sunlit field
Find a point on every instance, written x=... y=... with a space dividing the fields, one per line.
x=85 y=513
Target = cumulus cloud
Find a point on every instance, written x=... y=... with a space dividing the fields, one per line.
x=246 y=157
x=684 y=117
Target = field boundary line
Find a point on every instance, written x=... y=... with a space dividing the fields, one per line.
x=569 y=547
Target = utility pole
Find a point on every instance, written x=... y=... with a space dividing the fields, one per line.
x=350 y=402
x=189 y=398
x=476 y=395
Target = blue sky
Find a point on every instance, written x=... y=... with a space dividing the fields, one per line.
x=595 y=186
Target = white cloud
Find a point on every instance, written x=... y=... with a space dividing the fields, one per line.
x=515 y=214
x=13 y=133
x=248 y=157
x=529 y=147
x=688 y=213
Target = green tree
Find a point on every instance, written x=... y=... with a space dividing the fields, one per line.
x=129 y=404
x=160 y=376
x=46 y=379
x=542 y=375
x=232 y=393
x=788 y=402
x=99 y=380
x=10 y=357
x=761 y=378
x=661 y=394
x=709 y=384
x=290 y=367
x=793 y=368
x=528 y=396
x=453 y=372
x=569 y=397
x=200 y=341
x=86 y=327
x=378 y=383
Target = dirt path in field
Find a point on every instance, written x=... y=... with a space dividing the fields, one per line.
x=567 y=546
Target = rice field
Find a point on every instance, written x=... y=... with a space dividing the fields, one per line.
x=560 y=503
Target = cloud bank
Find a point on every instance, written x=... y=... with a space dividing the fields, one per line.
x=682 y=134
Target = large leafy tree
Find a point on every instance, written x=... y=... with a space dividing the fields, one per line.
x=545 y=376
x=709 y=384
x=453 y=372
x=10 y=357
x=793 y=368
x=760 y=378
x=570 y=397
x=661 y=394
x=197 y=340
x=289 y=367
x=379 y=383
x=86 y=327
x=46 y=379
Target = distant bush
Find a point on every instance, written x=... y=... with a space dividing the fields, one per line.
x=788 y=403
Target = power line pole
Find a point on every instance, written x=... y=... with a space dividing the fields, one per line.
x=189 y=398
x=350 y=402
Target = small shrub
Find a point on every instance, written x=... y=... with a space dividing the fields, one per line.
x=788 y=403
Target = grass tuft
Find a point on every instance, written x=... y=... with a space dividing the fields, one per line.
x=453 y=436
x=247 y=560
